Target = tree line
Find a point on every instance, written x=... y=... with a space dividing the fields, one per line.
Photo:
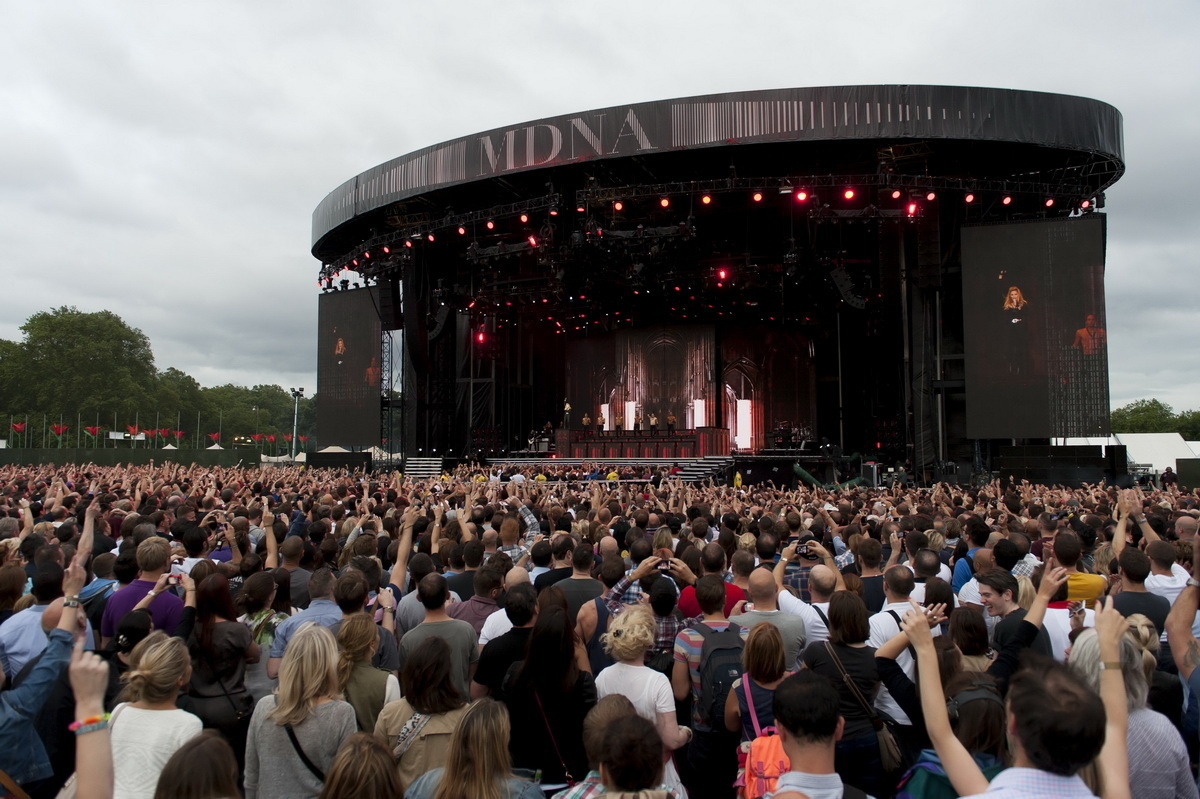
x=1155 y=416
x=75 y=376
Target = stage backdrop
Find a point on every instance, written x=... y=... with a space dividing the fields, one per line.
x=1035 y=333
x=348 y=369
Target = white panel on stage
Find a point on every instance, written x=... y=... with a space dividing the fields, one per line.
x=744 y=428
x=699 y=414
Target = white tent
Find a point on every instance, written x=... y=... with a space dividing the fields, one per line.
x=1195 y=445
x=215 y=446
x=333 y=449
x=169 y=446
x=1158 y=450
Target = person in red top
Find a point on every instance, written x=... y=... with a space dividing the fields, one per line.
x=712 y=561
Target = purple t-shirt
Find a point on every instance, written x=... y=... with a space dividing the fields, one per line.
x=165 y=610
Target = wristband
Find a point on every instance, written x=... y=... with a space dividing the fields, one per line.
x=1114 y=665
x=86 y=728
x=90 y=721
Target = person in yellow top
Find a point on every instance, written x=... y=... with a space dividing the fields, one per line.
x=619 y=421
x=541 y=478
x=600 y=423
x=587 y=423
x=1081 y=587
x=612 y=475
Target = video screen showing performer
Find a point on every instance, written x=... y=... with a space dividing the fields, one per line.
x=1031 y=370
x=349 y=372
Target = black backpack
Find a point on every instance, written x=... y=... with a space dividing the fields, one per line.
x=720 y=667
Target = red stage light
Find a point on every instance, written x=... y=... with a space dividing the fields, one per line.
x=524 y=218
x=722 y=274
x=1086 y=204
x=801 y=196
x=354 y=262
x=581 y=209
x=491 y=225
x=758 y=196
x=970 y=198
x=553 y=212
x=895 y=194
x=1049 y=202
x=386 y=250
x=429 y=236
x=664 y=202
x=1006 y=201
x=706 y=199
x=618 y=206
x=848 y=194
x=532 y=241
x=408 y=244
x=462 y=231
x=931 y=196
x=367 y=254
x=677 y=288
x=912 y=209
x=479 y=337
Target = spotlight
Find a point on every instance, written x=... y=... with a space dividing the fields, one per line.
x=1049 y=202
x=367 y=254
x=532 y=241
x=931 y=196
x=912 y=209
x=802 y=196
x=722 y=274
x=386 y=249
x=479 y=337
x=354 y=262
x=554 y=212
x=429 y=236
x=524 y=218
x=618 y=206
x=665 y=202
x=491 y=225
x=462 y=231
x=1007 y=200
x=848 y=194
x=581 y=209
x=896 y=194
x=970 y=198
x=1086 y=204
x=706 y=199
x=757 y=196
x=408 y=244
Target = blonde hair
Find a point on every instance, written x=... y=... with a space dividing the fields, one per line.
x=1026 y=593
x=479 y=765
x=153 y=554
x=937 y=541
x=1143 y=633
x=356 y=640
x=662 y=539
x=630 y=633
x=1019 y=303
x=158 y=667
x=746 y=542
x=309 y=672
x=1101 y=558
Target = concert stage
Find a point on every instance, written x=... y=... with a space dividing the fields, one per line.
x=835 y=260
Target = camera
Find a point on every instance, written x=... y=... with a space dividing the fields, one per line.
x=174 y=579
x=806 y=553
x=664 y=565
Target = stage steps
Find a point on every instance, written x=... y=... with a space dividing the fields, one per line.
x=423 y=468
x=704 y=468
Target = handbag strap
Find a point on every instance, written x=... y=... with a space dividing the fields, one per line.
x=750 y=704
x=207 y=659
x=876 y=722
x=308 y=764
x=409 y=732
x=11 y=786
x=553 y=740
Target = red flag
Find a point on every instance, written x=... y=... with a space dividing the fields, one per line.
x=287 y=437
x=214 y=436
x=59 y=429
x=166 y=431
x=132 y=428
x=256 y=437
x=92 y=431
x=303 y=438
x=179 y=434
x=271 y=439
x=18 y=427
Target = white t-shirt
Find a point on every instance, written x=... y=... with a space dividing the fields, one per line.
x=1170 y=587
x=814 y=628
x=142 y=743
x=494 y=626
x=647 y=689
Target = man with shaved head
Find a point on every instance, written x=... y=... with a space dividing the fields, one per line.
x=1185 y=527
x=765 y=610
x=498 y=623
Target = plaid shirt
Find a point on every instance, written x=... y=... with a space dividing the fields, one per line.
x=531 y=523
x=798 y=579
x=1031 y=783
x=1025 y=567
x=666 y=627
x=514 y=551
x=592 y=786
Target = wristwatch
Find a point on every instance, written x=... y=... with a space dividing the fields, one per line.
x=71 y=602
x=1193 y=582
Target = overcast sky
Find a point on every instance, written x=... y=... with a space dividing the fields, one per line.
x=163 y=160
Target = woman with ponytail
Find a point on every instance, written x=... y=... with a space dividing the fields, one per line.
x=365 y=687
x=146 y=728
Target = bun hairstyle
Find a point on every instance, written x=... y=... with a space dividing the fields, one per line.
x=158 y=666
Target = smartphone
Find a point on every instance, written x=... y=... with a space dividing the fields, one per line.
x=664 y=565
x=174 y=579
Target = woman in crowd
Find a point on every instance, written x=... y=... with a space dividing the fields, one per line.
x=479 y=765
x=630 y=635
x=419 y=727
x=220 y=648
x=363 y=770
x=203 y=768
x=764 y=669
x=295 y=733
x=365 y=687
x=969 y=633
x=12 y=586
x=255 y=600
x=282 y=603
x=857 y=753
x=1166 y=692
x=146 y=727
x=548 y=696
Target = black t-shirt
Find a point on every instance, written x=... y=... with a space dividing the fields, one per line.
x=462 y=584
x=1152 y=606
x=1006 y=628
x=547 y=579
x=860 y=665
x=498 y=655
x=873 y=593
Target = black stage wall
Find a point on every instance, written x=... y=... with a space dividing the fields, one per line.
x=348 y=368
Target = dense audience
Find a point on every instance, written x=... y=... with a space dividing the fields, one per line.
x=551 y=630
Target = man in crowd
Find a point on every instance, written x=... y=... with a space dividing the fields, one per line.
x=321 y=610
x=433 y=594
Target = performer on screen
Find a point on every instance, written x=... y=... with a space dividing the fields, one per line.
x=1016 y=331
x=1091 y=339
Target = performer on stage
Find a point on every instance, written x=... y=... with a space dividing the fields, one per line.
x=670 y=423
x=587 y=423
x=600 y=423
x=653 y=425
x=637 y=422
x=619 y=421
x=566 y=414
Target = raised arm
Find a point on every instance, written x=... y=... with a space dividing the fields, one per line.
x=1184 y=647
x=1114 y=757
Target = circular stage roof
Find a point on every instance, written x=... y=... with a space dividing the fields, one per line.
x=907 y=137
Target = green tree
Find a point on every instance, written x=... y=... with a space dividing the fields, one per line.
x=1188 y=425
x=1144 y=416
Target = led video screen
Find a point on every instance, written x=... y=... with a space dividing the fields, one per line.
x=348 y=368
x=1036 y=342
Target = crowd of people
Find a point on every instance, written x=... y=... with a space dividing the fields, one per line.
x=208 y=633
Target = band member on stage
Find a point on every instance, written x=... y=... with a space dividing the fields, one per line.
x=637 y=422
x=619 y=421
x=587 y=423
x=653 y=425
x=600 y=423
x=566 y=413
x=670 y=423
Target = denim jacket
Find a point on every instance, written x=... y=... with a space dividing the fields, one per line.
x=22 y=754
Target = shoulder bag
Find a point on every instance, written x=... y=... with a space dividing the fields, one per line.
x=889 y=750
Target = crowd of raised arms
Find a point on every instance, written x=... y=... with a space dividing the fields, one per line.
x=181 y=632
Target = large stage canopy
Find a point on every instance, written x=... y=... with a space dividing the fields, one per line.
x=765 y=267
